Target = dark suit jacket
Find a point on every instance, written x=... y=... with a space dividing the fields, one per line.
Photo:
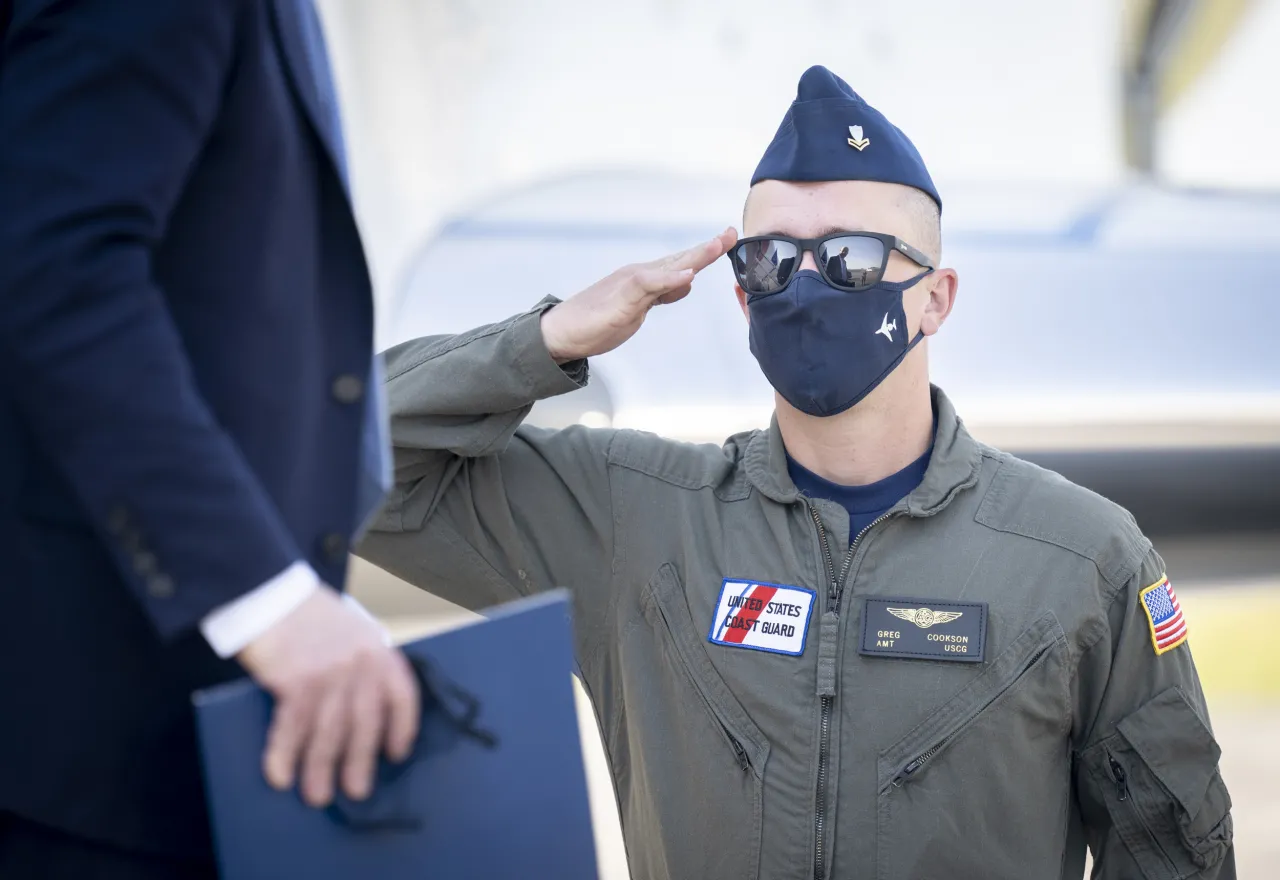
x=185 y=331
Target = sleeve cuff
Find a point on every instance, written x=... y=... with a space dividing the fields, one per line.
x=231 y=627
x=354 y=604
x=546 y=378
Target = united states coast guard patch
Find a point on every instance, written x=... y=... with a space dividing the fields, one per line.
x=763 y=617
x=1164 y=615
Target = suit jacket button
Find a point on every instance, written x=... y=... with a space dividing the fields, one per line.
x=144 y=563
x=117 y=520
x=348 y=388
x=334 y=548
x=160 y=586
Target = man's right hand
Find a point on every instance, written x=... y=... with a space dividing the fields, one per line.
x=342 y=697
x=609 y=312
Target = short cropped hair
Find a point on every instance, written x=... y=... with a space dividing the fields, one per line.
x=926 y=220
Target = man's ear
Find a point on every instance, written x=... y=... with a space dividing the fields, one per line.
x=742 y=300
x=943 y=285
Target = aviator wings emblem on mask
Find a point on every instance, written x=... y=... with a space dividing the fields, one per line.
x=924 y=617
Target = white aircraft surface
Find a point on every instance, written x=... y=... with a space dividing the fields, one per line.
x=1123 y=336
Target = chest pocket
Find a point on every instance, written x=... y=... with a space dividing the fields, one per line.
x=964 y=773
x=692 y=799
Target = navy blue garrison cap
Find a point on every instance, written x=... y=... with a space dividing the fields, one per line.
x=829 y=133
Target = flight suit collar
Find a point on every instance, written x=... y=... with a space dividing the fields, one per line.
x=952 y=468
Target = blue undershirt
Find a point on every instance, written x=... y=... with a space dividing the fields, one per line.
x=865 y=504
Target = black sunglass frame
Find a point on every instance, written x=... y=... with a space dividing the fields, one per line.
x=890 y=243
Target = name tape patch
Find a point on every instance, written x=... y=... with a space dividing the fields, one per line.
x=924 y=629
x=763 y=617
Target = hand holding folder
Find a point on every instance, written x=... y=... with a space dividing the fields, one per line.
x=495 y=786
x=342 y=697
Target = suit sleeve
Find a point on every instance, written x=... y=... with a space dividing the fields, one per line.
x=105 y=107
x=485 y=510
x=1147 y=778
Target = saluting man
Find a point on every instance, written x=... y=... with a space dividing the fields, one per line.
x=858 y=643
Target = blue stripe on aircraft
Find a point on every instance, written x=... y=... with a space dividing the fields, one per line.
x=1082 y=231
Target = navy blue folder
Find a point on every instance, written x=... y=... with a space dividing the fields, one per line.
x=496 y=787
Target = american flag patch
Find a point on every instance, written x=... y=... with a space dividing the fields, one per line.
x=1164 y=614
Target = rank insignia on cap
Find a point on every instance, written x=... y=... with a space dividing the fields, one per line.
x=806 y=149
x=1164 y=615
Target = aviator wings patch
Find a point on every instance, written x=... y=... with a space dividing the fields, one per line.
x=924 y=617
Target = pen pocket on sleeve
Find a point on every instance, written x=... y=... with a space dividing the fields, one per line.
x=1158 y=774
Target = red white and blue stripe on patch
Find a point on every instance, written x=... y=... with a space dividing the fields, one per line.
x=761 y=616
x=1164 y=614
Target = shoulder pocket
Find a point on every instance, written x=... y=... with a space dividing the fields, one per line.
x=1159 y=777
x=684 y=465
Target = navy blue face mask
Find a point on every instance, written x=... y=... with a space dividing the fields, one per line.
x=824 y=349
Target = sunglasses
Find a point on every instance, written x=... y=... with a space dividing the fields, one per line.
x=764 y=264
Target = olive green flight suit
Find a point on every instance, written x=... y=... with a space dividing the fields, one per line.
x=738 y=763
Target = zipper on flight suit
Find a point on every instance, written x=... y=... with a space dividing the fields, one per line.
x=828 y=702
x=739 y=753
x=924 y=757
x=1123 y=796
x=1122 y=781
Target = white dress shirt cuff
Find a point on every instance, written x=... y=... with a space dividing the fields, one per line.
x=364 y=613
x=231 y=627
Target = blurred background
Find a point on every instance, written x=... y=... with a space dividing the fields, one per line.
x=1112 y=203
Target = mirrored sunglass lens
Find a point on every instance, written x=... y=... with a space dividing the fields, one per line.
x=853 y=260
x=765 y=266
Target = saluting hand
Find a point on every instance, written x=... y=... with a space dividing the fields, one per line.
x=609 y=312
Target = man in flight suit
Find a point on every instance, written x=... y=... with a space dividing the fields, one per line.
x=859 y=643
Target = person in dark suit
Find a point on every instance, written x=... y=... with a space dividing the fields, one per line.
x=837 y=270
x=188 y=427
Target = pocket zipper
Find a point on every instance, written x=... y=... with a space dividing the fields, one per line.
x=1122 y=780
x=744 y=760
x=1122 y=794
x=916 y=763
x=739 y=752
